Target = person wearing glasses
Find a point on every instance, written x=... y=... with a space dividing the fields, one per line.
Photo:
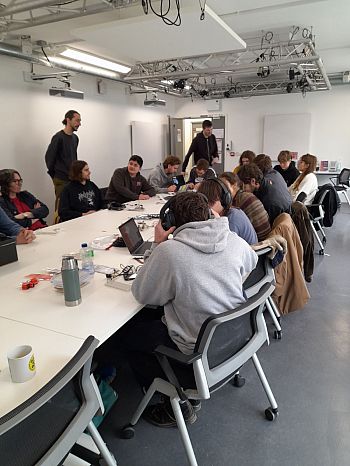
x=21 y=206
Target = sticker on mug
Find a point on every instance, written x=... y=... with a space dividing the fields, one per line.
x=31 y=364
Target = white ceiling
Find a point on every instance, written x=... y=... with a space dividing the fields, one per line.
x=119 y=34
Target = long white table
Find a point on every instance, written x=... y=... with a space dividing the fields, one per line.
x=52 y=351
x=39 y=316
x=103 y=309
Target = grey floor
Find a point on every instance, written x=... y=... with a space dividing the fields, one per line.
x=309 y=373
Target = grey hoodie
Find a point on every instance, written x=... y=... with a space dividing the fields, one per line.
x=159 y=180
x=195 y=275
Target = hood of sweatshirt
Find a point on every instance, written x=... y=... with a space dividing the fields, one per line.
x=209 y=236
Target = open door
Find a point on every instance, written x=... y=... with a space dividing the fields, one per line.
x=219 y=131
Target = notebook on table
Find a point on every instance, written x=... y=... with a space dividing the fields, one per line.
x=133 y=239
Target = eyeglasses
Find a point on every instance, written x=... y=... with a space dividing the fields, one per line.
x=20 y=181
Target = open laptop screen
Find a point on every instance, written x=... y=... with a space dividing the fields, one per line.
x=131 y=235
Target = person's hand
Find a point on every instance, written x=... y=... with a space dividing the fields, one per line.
x=37 y=205
x=143 y=197
x=172 y=188
x=214 y=213
x=25 y=237
x=183 y=173
x=160 y=234
x=190 y=185
x=196 y=186
x=89 y=212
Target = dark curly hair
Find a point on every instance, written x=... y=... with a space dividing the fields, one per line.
x=263 y=162
x=247 y=172
x=6 y=177
x=190 y=207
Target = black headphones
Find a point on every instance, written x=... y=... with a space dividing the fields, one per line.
x=226 y=196
x=167 y=216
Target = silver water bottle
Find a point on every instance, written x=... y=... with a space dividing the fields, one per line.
x=70 y=279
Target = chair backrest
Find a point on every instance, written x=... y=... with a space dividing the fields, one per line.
x=344 y=177
x=43 y=429
x=103 y=192
x=263 y=273
x=228 y=340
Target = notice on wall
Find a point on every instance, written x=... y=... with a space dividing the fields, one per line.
x=179 y=135
x=219 y=133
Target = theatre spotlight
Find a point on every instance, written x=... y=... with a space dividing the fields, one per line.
x=227 y=94
x=203 y=93
x=289 y=88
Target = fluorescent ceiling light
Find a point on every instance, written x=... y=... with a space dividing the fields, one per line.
x=82 y=67
x=167 y=81
x=96 y=61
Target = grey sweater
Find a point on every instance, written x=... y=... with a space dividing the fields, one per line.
x=159 y=180
x=195 y=275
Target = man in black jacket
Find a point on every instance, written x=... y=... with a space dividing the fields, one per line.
x=127 y=184
x=203 y=146
x=62 y=151
x=275 y=197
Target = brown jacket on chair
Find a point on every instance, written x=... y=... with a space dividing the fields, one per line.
x=301 y=219
x=291 y=292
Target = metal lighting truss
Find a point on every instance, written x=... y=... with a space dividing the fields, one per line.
x=20 y=14
x=271 y=68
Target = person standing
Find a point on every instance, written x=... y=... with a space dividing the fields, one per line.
x=62 y=151
x=203 y=146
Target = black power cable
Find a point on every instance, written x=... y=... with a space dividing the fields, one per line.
x=164 y=11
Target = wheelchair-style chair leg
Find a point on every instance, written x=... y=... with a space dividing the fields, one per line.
x=183 y=432
x=278 y=331
x=321 y=251
x=272 y=411
x=346 y=196
x=105 y=453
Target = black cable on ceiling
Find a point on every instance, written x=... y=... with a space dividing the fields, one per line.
x=202 y=7
x=47 y=58
x=164 y=11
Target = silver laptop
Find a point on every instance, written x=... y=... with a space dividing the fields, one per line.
x=133 y=239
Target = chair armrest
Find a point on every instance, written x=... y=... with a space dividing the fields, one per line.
x=176 y=355
x=333 y=178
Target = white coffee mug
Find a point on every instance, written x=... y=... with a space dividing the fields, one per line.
x=21 y=363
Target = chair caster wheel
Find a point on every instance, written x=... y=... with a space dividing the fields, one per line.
x=238 y=381
x=277 y=334
x=127 y=432
x=271 y=414
x=321 y=252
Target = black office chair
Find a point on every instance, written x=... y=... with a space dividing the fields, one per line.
x=341 y=183
x=263 y=273
x=103 y=192
x=43 y=429
x=224 y=344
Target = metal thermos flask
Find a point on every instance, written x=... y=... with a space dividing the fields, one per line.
x=70 y=279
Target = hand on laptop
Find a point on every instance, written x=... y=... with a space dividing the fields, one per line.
x=172 y=188
x=160 y=234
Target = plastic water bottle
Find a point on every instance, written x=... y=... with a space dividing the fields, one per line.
x=87 y=258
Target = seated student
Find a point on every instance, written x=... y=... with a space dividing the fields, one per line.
x=81 y=196
x=264 y=162
x=250 y=205
x=220 y=201
x=21 y=206
x=305 y=186
x=162 y=176
x=10 y=228
x=194 y=275
x=127 y=184
x=275 y=197
x=200 y=172
x=246 y=157
x=287 y=167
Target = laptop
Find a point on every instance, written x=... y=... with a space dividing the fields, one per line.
x=133 y=239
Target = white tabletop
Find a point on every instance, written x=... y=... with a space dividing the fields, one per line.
x=52 y=351
x=103 y=309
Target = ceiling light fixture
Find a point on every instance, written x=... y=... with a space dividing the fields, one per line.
x=71 y=64
x=95 y=61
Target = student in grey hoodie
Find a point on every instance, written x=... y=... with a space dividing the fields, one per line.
x=162 y=176
x=196 y=274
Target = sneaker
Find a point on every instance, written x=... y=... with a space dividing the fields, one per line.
x=196 y=405
x=162 y=415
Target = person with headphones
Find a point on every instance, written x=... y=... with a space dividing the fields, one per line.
x=220 y=200
x=193 y=275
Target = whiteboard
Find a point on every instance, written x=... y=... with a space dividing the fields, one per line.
x=286 y=132
x=146 y=141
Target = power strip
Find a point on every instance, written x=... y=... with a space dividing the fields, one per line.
x=119 y=283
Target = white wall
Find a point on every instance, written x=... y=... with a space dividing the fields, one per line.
x=29 y=117
x=330 y=135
